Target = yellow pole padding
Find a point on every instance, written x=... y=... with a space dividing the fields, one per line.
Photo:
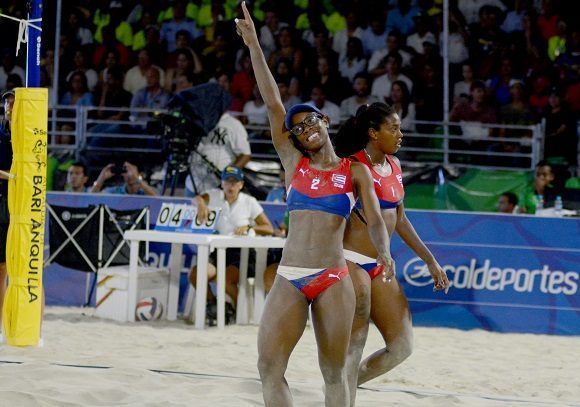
x=26 y=203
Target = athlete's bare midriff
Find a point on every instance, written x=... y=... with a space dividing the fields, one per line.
x=314 y=240
x=356 y=236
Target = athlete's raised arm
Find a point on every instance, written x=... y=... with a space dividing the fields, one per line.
x=289 y=155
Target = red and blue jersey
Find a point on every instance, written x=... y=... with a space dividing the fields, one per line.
x=389 y=189
x=318 y=190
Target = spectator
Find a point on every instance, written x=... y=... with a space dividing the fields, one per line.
x=569 y=63
x=402 y=17
x=284 y=87
x=352 y=30
x=78 y=91
x=218 y=56
x=471 y=9
x=514 y=20
x=255 y=109
x=415 y=41
x=81 y=64
x=382 y=85
x=457 y=45
x=487 y=40
x=9 y=67
x=361 y=86
x=474 y=112
x=152 y=96
x=287 y=49
x=401 y=101
x=184 y=41
x=278 y=194
x=241 y=214
x=243 y=82
x=499 y=85
x=225 y=144
x=327 y=76
x=111 y=44
x=185 y=81
x=77 y=29
x=13 y=81
x=110 y=60
x=76 y=178
x=270 y=31
x=318 y=99
x=539 y=98
x=283 y=72
x=374 y=37
x=353 y=61
x=122 y=29
x=178 y=23
x=185 y=63
x=133 y=181
x=557 y=43
x=507 y=203
x=135 y=78
x=548 y=20
x=542 y=185
x=462 y=89
x=146 y=23
x=561 y=129
x=378 y=61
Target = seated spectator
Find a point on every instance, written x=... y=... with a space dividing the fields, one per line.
x=499 y=85
x=270 y=30
x=422 y=34
x=401 y=101
x=382 y=85
x=540 y=96
x=77 y=29
x=378 y=61
x=561 y=130
x=283 y=72
x=178 y=23
x=457 y=45
x=110 y=44
x=471 y=8
x=185 y=63
x=255 y=110
x=477 y=110
x=547 y=21
x=462 y=89
x=287 y=49
x=122 y=29
x=507 y=203
x=152 y=96
x=352 y=30
x=243 y=82
x=241 y=214
x=133 y=181
x=328 y=77
x=486 y=40
x=374 y=37
x=78 y=91
x=76 y=178
x=361 y=86
x=135 y=78
x=542 y=185
x=185 y=81
x=318 y=99
x=142 y=28
x=183 y=40
x=402 y=17
x=81 y=64
x=353 y=61
x=284 y=87
x=109 y=60
x=219 y=56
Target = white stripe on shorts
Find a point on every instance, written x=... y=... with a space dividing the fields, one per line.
x=357 y=258
x=294 y=273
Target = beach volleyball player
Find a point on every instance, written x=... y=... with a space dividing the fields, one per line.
x=370 y=138
x=321 y=189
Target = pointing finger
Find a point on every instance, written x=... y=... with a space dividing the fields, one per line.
x=245 y=10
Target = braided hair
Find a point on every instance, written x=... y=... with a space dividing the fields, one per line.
x=353 y=135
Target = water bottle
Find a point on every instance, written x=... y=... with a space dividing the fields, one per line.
x=558 y=206
x=539 y=202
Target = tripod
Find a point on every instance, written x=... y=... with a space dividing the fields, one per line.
x=179 y=165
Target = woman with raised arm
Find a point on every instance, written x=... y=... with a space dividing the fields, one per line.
x=312 y=272
x=370 y=138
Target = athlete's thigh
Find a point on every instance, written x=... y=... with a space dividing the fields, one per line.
x=332 y=316
x=389 y=308
x=283 y=320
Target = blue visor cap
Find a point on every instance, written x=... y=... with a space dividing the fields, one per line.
x=232 y=172
x=299 y=108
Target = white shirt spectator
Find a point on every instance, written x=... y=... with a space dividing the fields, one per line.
x=350 y=70
x=382 y=53
x=329 y=109
x=4 y=75
x=256 y=114
x=350 y=105
x=461 y=88
x=84 y=36
x=221 y=146
x=415 y=41
x=268 y=40
x=470 y=8
x=240 y=213
x=382 y=85
x=341 y=38
x=91 y=75
x=135 y=80
x=457 y=50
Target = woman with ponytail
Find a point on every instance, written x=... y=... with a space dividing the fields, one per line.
x=371 y=138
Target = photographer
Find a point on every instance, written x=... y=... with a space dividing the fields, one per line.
x=133 y=181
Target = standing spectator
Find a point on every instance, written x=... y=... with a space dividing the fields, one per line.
x=507 y=203
x=135 y=78
x=561 y=129
x=9 y=67
x=178 y=23
x=318 y=100
x=352 y=30
x=374 y=37
x=133 y=181
x=225 y=144
x=382 y=85
x=361 y=86
x=76 y=178
x=353 y=61
x=241 y=214
x=401 y=101
x=152 y=96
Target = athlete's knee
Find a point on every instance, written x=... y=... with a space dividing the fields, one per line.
x=269 y=365
x=402 y=346
x=334 y=374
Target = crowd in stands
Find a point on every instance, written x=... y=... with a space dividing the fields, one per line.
x=512 y=61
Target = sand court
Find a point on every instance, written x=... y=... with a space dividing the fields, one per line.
x=87 y=361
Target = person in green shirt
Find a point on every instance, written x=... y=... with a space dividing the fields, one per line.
x=542 y=185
